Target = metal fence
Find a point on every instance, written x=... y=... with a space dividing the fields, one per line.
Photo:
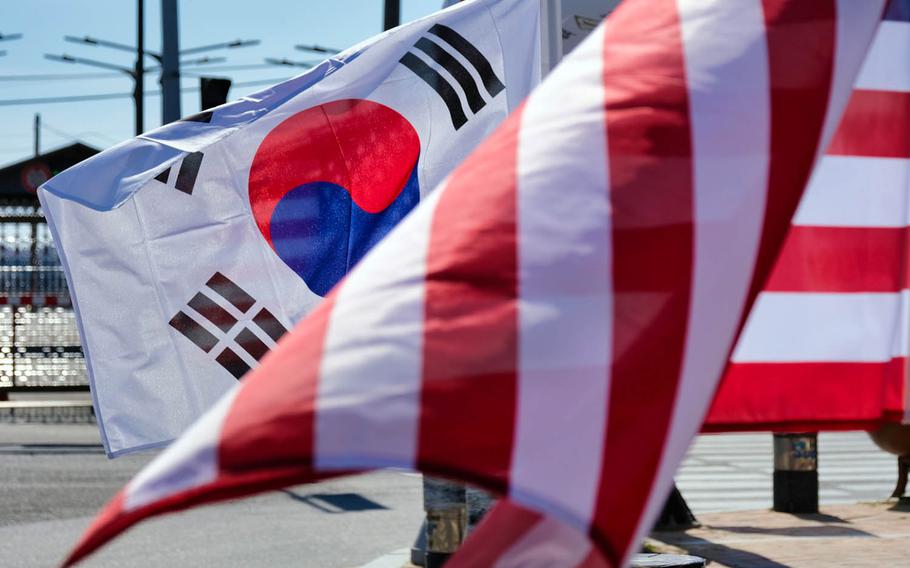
x=39 y=343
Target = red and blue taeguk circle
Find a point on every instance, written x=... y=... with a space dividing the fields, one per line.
x=329 y=182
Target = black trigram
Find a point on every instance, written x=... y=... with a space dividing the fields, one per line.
x=440 y=53
x=245 y=338
x=186 y=173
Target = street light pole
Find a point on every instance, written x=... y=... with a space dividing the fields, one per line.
x=170 y=63
x=137 y=73
x=139 y=77
x=137 y=89
x=391 y=14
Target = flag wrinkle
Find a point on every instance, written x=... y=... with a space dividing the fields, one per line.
x=472 y=353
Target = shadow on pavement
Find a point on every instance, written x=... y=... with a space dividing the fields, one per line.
x=715 y=552
x=823 y=531
x=337 y=502
x=901 y=505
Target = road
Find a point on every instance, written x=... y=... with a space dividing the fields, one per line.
x=54 y=478
x=49 y=494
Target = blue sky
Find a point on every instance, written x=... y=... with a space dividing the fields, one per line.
x=278 y=24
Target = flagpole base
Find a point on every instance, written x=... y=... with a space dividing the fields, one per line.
x=446 y=519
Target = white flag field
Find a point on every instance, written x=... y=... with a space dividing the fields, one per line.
x=191 y=249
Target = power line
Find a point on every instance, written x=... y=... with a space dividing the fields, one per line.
x=58 y=76
x=108 y=96
x=67 y=99
x=65 y=76
x=57 y=131
x=207 y=68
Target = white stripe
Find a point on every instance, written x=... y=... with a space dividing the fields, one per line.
x=856 y=23
x=885 y=67
x=190 y=462
x=729 y=111
x=370 y=419
x=565 y=306
x=848 y=191
x=794 y=327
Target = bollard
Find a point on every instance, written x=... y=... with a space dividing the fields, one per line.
x=479 y=503
x=796 y=473
x=419 y=549
x=446 y=510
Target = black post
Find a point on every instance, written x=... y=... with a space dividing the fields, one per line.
x=37 y=134
x=676 y=514
x=391 y=14
x=213 y=92
x=446 y=520
x=796 y=473
x=139 y=79
x=170 y=63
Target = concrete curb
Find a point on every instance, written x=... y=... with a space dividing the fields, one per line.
x=395 y=559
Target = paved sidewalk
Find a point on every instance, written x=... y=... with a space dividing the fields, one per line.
x=866 y=534
x=15 y=435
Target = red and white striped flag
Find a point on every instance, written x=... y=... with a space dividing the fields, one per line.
x=826 y=345
x=551 y=323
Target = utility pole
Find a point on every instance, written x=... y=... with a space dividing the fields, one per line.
x=37 y=134
x=170 y=63
x=391 y=14
x=139 y=76
x=137 y=72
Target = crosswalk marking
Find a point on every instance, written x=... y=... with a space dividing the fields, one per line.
x=734 y=471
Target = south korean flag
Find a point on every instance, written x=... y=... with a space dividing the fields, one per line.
x=191 y=249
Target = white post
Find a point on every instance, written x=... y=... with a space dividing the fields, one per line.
x=550 y=35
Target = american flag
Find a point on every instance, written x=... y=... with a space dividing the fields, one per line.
x=826 y=345
x=551 y=323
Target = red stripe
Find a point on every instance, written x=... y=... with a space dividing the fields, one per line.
x=795 y=31
x=842 y=259
x=649 y=142
x=505 y=527
x=875 y=123
x=114 y=520
x=108 y=524
x=470 y=333
x=272 y=420
x=501 y=529
x=784 y=396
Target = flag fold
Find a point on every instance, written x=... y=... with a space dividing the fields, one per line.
x=551 y=323
x=826 y=346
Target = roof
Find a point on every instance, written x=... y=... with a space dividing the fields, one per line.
x=20 y=180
